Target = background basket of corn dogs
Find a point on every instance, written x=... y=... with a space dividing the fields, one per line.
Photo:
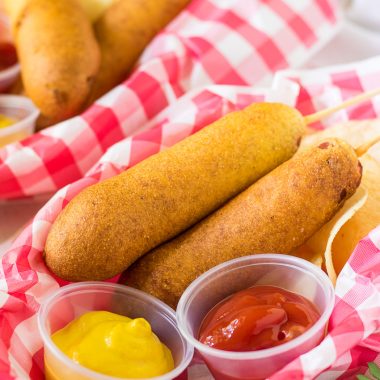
x=178 y=64
x=255 y=179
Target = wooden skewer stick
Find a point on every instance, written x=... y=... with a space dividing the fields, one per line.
x=349 y=102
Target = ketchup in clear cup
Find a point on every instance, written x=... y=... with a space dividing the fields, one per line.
x=8 y=55
x=257 y=318
x=219 y=283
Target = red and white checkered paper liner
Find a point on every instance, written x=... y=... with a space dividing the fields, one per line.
x=166 y=116
x=354 y=332
x=235 y=42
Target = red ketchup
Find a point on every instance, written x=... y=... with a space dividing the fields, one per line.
x=8 y=55
x=257 y=318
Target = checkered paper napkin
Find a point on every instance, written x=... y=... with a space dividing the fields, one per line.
x=354 y=331
x=234 y=42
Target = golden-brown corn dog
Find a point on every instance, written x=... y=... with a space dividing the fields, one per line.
x=108 y=226
x=58 y=53
x=275 y=215
x=123 y=31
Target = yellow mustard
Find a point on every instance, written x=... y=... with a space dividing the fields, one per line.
x=5 y=121
x=114 y=345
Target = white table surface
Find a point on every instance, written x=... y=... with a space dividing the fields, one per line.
x=359 y=38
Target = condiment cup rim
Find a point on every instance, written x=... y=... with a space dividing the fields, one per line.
x=10 y=71
x=19 y=102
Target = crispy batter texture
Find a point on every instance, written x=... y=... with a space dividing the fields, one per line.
x=58 y=53
x=14 y=9
x=275 y=215
x=123 y=32
x=110 y=225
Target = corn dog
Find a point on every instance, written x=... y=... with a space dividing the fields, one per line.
x=108 y=226
x=275 y=215
x=123 y=31
x=58 y=53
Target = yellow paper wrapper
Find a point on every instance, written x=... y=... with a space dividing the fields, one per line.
x=367 y=218
x=361 y=135
x=321 y=242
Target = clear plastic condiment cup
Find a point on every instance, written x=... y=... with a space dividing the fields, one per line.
x=71 y=301
x=23 y=111
x=288 y=272
x=9 y=76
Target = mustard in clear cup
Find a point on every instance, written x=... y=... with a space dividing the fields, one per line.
x=23 y=114
x=72 y=301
